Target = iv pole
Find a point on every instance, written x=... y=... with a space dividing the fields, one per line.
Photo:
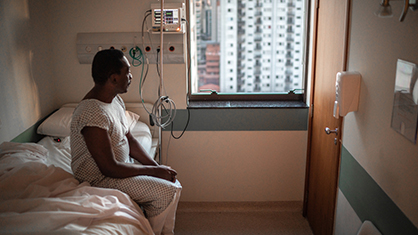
x=160 y=88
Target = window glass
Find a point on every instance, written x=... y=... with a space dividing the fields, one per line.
x=241 y=47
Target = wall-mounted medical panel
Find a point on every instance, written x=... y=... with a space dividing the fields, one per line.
x=174 y=47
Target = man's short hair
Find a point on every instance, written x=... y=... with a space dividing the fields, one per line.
x=105 y=63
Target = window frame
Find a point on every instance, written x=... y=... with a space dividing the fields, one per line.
x=291 y=96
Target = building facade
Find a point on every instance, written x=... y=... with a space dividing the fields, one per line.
x=261 y=44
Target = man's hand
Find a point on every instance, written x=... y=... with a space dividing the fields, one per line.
x=165 y=172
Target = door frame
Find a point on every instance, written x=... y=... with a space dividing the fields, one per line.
x=316 y=6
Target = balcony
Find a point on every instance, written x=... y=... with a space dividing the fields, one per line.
x=290 y=14
x=289 y=64
x=289 y=55
x=290 y=39
x=288 y=73
x=241 y=75
x=212 y=77
x=257 y=88
x=290 y=29
x=258 y=39
x=241 y=12
x=289 y=47
x=258 y=22
x=241 y=82
x=240 y=65
x=212 y=64
x=241 y=56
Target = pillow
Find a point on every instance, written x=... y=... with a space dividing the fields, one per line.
x=132 y=119
x=59 y=123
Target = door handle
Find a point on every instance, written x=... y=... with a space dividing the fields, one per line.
x=329 y=131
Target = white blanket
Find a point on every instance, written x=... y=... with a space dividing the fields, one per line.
x=36 y=198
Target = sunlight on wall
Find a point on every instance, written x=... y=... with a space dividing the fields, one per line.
x=27 y=90
x=18 y=91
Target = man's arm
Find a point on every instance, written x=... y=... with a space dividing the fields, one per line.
x=99 y=145
x=137 y=152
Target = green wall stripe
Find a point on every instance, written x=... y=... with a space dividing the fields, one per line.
x=31 y=135
x=369 y=201
x=289 y=119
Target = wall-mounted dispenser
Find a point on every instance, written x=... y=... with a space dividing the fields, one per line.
x=347 y=92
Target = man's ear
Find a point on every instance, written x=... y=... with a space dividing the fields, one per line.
x=113 y=78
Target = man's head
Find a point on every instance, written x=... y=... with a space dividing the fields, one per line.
x=106 y=63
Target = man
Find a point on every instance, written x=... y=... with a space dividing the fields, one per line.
x=101 y=146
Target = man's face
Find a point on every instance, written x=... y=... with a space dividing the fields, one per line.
x=125 y=77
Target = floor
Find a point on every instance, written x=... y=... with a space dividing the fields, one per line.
x=230 y=218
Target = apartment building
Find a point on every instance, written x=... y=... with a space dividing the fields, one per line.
x=261 y=44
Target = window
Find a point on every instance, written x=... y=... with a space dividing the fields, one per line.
x=248 y=40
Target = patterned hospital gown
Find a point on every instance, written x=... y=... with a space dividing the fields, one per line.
x=152 y=193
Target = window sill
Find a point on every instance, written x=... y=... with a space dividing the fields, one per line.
x=245 y=104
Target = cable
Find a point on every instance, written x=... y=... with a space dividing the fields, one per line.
x=188 y=74
x=185 y=127
x=137 y=56
x=143 y=78
x=187 y=96
x=168 y=106
x=163 y=102
x=164 y=109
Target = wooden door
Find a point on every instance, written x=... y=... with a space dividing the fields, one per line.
x=324 y=149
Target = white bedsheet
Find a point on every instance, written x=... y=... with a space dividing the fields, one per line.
x=59 y=152
x=38 y=198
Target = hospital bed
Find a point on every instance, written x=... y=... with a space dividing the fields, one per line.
x=39 y=195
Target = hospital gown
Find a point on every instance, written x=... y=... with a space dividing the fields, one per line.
x=153 y=194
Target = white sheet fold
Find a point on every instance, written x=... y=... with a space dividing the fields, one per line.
x=39 y=199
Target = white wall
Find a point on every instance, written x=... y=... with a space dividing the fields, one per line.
x=240 y=165
x=26 y=90
x=390 y=159
x=74 y=80
x=213 y=166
